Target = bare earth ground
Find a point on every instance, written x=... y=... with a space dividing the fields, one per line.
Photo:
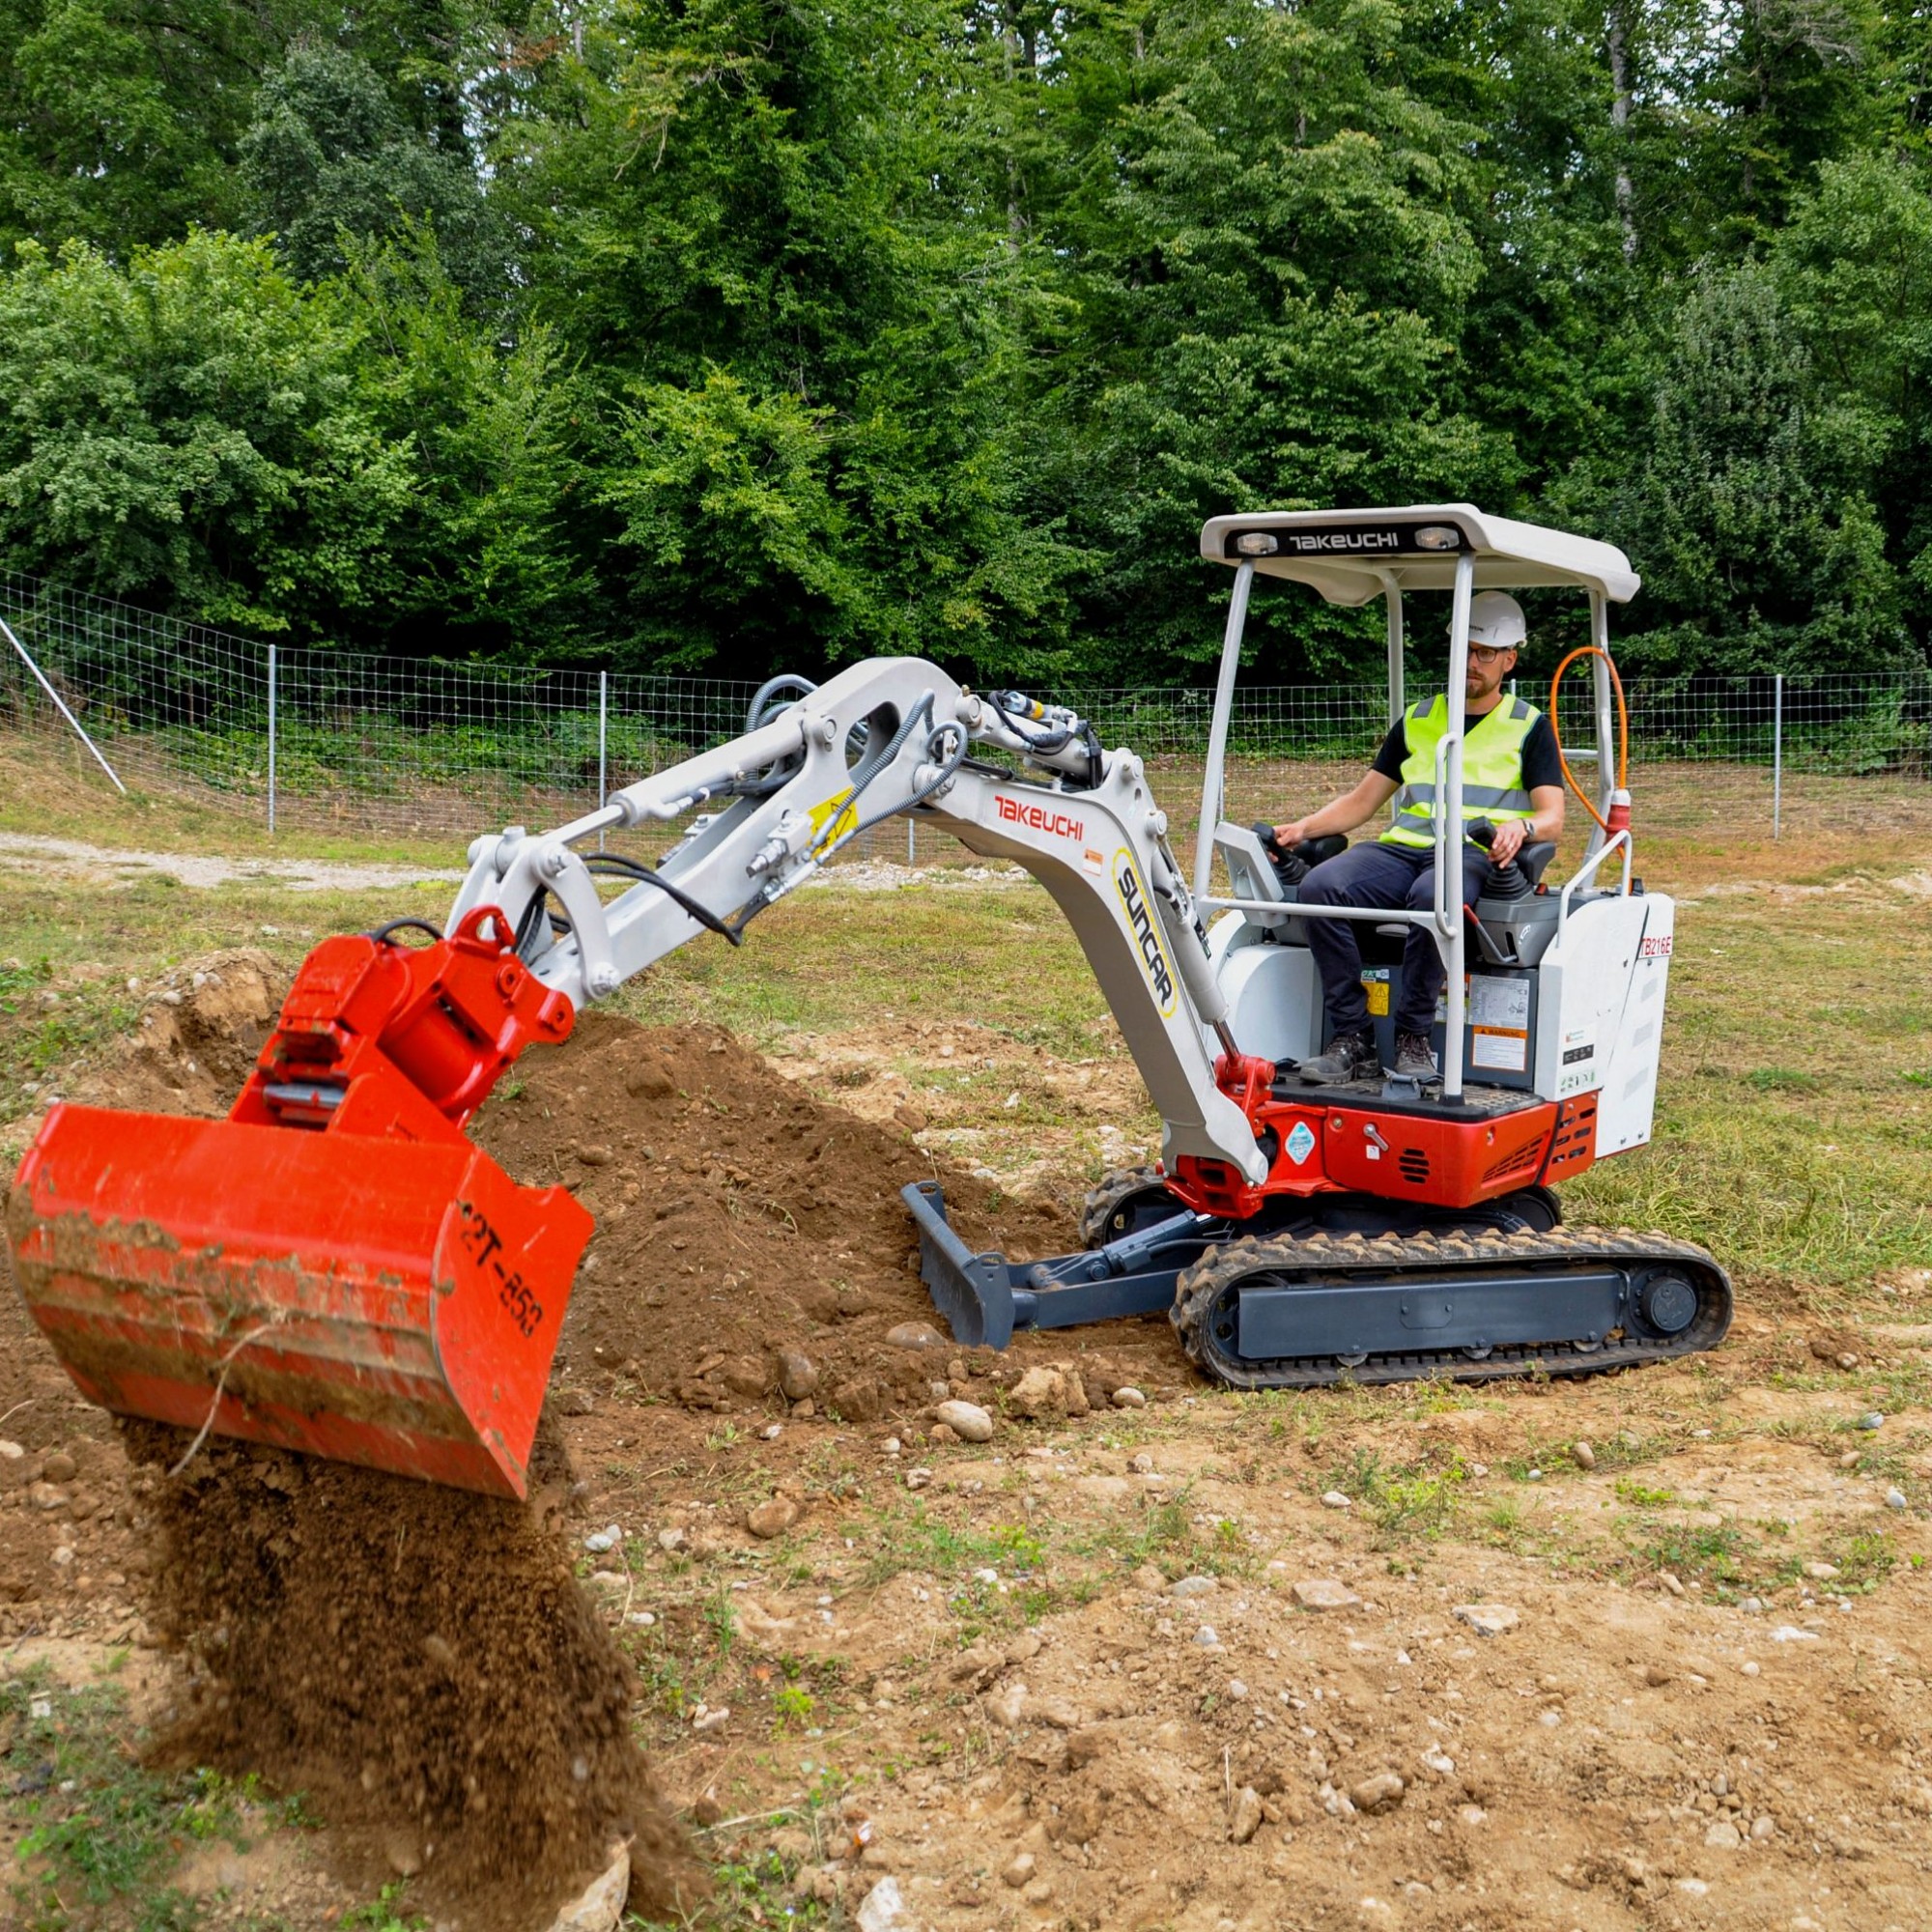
x=969 y=1669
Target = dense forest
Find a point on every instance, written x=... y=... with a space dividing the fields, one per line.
x=721 y=335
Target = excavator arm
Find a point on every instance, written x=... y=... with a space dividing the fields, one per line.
x=336 y=1269
x=766 y=812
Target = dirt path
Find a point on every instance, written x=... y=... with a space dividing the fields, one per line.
x=71 y=858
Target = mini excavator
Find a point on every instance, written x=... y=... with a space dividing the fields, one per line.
x=335 y=1268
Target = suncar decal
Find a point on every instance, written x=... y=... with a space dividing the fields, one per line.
x=1147 y=935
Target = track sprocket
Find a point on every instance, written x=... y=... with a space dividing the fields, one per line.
x=1124 y=1199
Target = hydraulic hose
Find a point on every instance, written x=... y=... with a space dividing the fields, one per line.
x=762 y=710
x=1623 y=737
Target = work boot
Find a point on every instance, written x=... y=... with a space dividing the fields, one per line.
x=1351 y=1056
x=1412 y=1056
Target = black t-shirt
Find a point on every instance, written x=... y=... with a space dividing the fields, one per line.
x=1541 y=765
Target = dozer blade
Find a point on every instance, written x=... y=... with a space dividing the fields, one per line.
x=381 y=1300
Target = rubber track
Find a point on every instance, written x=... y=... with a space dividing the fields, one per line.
x=1322 y=1258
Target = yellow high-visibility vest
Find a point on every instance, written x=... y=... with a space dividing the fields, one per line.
x=1492 y=787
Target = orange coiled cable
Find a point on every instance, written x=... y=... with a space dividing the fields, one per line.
x=1623 y=728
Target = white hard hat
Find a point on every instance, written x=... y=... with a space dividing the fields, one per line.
x=1495 y=619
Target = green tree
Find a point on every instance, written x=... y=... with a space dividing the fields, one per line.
x=491 y=559
x=1855 y=268
x=331 y=159
x=743 y=223
x=1274 y=262
x=118 y=117
x=1758 y=548
x=188 y=433
x=1792 y=84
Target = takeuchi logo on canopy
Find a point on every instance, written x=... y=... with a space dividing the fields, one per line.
x=1343 y=540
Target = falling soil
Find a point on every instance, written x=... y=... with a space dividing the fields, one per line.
x=418 y=1663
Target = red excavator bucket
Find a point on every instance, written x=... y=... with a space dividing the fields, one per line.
x=334 y=1268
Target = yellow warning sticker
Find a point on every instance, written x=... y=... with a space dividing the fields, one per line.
x=1375 y=985
x=842 y=814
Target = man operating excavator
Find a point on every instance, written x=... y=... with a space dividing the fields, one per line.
x=1512 y=775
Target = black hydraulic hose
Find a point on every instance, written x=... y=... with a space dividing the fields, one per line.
x=754 y=714
x=1044 y=745
x=945 y=763
x=614 y=865
x=870 y=764
x=385 y=935
x=526 y=925
x=760 y=712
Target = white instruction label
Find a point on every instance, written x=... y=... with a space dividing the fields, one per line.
x=1499 y=1003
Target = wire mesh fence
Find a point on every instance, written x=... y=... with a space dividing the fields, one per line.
x=310 y=739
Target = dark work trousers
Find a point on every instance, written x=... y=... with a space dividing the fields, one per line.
x=1381 y=875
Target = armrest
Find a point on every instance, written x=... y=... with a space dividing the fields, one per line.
x=1534 y=857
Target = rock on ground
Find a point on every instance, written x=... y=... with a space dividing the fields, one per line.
x=1489 y=1619
x=1037 y=1393
x=600 y=1907
x=967 y=1420
x=1324 y=1593
x=1245 y=1815
x=771 y=1518
x=884 y=1910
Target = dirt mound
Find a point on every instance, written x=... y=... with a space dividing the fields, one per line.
x=737 y=1218
x=419 y=1662
x=200 y=1029
x=737 y=1215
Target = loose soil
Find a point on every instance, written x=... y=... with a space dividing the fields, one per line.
x=968 y=1669
x=418 y=1663
x=421 y=1664
x=738 y=1216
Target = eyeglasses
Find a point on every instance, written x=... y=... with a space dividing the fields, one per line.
x=1487 y=654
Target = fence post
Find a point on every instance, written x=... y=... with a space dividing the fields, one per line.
x=603 y=744
x=1778 y=756
x=272 y=741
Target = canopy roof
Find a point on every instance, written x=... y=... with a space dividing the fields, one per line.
x=1349 y=555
